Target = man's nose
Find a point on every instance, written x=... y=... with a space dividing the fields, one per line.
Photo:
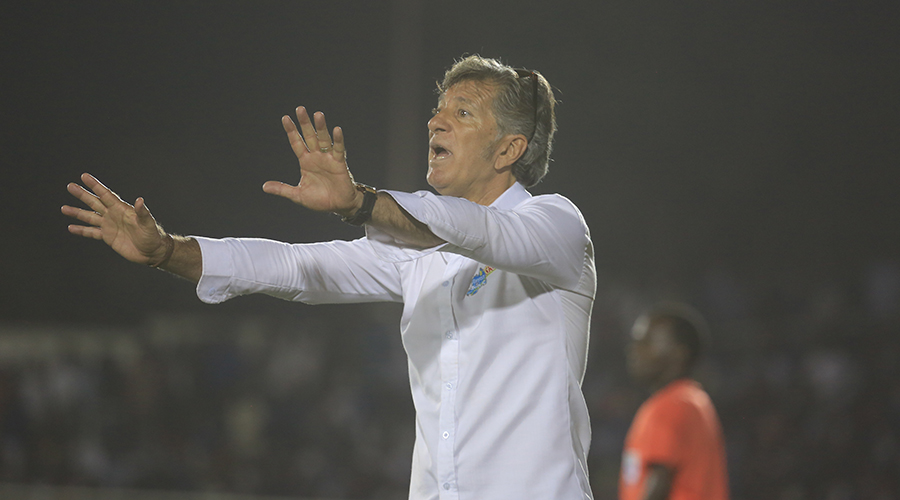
x=437 y=123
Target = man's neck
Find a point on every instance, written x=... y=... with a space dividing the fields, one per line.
x=667 y=379
x=492 y=192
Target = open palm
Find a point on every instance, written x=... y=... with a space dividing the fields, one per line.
x=129 y=230
x=326 y=184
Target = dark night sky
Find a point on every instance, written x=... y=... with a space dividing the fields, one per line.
x=758 y=136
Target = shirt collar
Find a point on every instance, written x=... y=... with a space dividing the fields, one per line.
x=511 y=197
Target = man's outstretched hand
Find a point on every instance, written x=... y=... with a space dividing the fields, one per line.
x=129 y=230
x=326 y=184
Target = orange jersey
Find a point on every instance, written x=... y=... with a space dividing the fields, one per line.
x=677 y=427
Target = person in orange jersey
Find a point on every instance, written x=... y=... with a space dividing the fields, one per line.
x=675 y=448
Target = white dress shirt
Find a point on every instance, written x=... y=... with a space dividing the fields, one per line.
x=495 y=325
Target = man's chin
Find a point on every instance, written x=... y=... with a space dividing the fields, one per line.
x=435 y=182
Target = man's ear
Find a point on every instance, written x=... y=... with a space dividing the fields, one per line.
x=512 y=148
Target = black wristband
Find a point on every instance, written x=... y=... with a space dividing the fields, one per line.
x=364 y=214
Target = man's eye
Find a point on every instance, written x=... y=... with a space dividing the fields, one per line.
x=463 y=112
x=435 y=111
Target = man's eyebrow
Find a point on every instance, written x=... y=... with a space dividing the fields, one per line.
x=464 y=100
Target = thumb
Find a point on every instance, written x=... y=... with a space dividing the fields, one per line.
x=144 y=217
x=280 y=189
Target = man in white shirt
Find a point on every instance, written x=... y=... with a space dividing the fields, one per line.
x=497 y=285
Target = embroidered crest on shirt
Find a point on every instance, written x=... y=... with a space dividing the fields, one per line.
x=479 y=280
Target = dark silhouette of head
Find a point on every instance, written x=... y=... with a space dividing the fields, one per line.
x=667 y=343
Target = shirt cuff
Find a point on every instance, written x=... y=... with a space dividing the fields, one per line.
x=218 y=270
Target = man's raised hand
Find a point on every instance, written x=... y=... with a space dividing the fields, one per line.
x=129 y=230
x=326 y=184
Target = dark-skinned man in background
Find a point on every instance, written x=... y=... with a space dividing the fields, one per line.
x=674 y=449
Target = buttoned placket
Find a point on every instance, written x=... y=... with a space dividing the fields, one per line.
x=449 y=361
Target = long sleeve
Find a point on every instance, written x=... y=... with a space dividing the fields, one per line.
x=544 y=237
x=315 y=273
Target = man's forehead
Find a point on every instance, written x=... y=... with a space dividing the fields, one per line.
x=651 y=327
x=469 y=92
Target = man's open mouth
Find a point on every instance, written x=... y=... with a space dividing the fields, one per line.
x=438 y=151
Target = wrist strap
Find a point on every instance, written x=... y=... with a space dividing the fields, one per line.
x=364 y=214
x=170 y=248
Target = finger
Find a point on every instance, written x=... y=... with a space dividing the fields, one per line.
x=281 y=189
x=86 y=197
x=87 y=232
x=322 y=132
x=293 y=135
x=307 y=129
x=106 y=196
x=92 y=218
x=339 y=151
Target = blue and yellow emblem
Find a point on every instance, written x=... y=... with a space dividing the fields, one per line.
x=479 y=279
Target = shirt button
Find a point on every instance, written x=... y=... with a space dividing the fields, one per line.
x=446 y=486
x=445 y=283
x=449 y=334
x=449 y=385
x=445 y=434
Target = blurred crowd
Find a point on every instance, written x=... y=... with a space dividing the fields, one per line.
x=312 y=405
x=805 y=375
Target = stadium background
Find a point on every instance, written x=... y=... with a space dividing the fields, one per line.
x=740 y=156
